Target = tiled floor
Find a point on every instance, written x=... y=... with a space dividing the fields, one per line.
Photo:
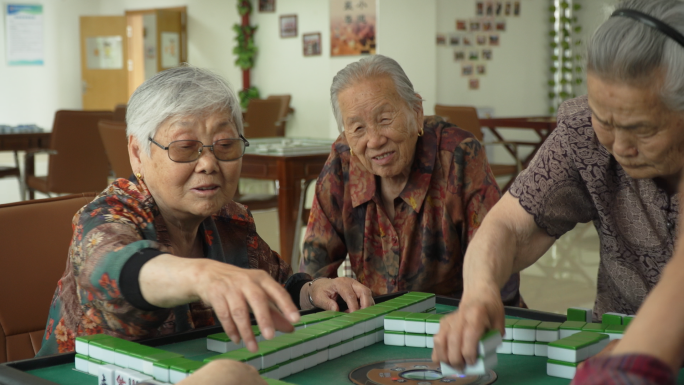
x=565 y=276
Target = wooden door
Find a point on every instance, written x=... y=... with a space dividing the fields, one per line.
x=171 y=38
x=104 y=62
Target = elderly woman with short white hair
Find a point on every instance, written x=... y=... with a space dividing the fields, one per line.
x=401 y=193
x=615 y=159
x=168 y=250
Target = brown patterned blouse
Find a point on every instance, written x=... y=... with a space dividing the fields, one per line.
x=108 y=231
x=574 y=179
x=449 y=191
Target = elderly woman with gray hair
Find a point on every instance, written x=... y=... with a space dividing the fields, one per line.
x=401 y=193
x=168 y=250
x=615 y=159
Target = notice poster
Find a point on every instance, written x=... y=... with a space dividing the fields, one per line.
x=170 y=49
x=104 y=52
x=24 y=34
x=352 y=27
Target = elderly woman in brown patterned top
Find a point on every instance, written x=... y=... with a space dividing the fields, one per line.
x=614 y=159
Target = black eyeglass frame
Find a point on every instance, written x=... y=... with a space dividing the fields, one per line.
x=199 y=153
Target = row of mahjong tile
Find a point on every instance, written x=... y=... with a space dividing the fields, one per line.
x=289 y=354
x=537 y=331
x=566 y=353
x=415 y=323
x=120 y=361
x=582 y=314
x=328 y=323
x=102 y=349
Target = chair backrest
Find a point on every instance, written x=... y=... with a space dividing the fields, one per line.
x=120 y=113
x=261 y=119
x=462 y=116
x=115 y=142
x=35 y=245
x=80 y=164
x=284 y=106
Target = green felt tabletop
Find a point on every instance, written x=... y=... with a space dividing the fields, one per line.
x=511 y=369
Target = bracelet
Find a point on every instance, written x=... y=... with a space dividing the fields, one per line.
x=311 y=283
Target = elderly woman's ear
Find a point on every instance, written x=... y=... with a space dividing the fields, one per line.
x=135 y=154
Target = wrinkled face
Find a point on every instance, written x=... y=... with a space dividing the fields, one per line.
x=196 y=189
x=380 y=127
x=643 y=135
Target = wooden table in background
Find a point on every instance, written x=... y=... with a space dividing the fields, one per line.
x=542 y=126
x=288 y=170
x=24 y=142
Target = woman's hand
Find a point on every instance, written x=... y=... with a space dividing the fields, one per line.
x=325 y=291
x=224 y=372
x=168 y=281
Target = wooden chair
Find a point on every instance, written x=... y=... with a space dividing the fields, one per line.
x=35 y=245
x=77 y=162
x=466 y=118
x=285 y=110
x=262 y=119
x=9 y=171
x=120 y=113
x=115 y=142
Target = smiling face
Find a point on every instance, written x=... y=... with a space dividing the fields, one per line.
x=189 y=191
x=634 y=125
x=380 y=127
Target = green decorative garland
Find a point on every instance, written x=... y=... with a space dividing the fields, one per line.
x=566 y=70
x=245 y=50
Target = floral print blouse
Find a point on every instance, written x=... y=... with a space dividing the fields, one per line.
x=118 y=223
x=450 y=190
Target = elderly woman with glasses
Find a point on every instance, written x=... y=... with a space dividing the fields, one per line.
x=401 y=194
x=168 y=250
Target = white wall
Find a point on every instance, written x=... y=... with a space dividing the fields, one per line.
x=32 y=94
x=516 y=79
x=405 y=32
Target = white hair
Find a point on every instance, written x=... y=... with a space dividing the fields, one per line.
x=626 y=50
x=368 y=68
x=180 y=91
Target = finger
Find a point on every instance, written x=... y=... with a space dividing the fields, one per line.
x=281 y=298
x=364 y=294
x=472 y=332
x=258 y=302
x=223 y=313
x=279 y=321
x=455 y=344
x=439 y=351
x=345 y=291
x=240 y=314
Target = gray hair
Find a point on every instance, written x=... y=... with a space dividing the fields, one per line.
x=180 y=91
x=367 y=68
x=626 y=50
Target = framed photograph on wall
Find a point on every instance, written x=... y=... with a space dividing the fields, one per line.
x=288 y=26
x=266 y=5
x=311 y=43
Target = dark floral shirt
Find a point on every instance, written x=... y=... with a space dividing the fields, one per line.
x=450 y=190
x=631 y=369
x=119 y=222
x=573 y=179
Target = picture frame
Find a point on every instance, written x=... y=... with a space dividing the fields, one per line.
x=267 y=6
x=288 y=26
x=311 y=44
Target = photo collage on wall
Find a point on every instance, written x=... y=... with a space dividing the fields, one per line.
x=474 y=39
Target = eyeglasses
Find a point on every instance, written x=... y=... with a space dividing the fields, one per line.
x=185 y=151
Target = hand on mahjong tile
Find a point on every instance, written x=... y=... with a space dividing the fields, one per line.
x=459 y=333
x=225 y=372
x=231 y=291
x=324 y=292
